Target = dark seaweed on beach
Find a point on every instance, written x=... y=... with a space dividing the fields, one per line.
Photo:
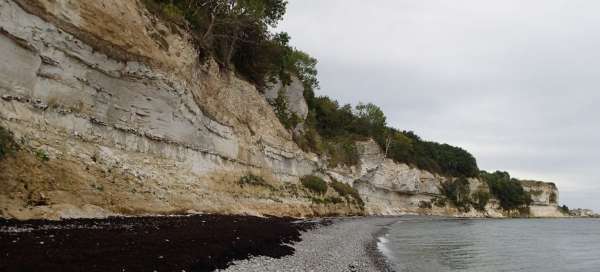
x=186 y=243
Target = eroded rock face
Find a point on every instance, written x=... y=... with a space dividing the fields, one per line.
x=542 y=193
x=294 y=96
x=395 y=188
x=133 y=123
x=545 y=198
x=124 y=101
x=392 y=188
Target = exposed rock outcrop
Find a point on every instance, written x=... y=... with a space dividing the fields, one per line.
x=117 y=115
x=293 y=94
x=390 y=188
x=395 y=188
x=545 y=198
x=120 y=102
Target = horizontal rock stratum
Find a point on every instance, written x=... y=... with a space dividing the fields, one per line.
x=129 y=121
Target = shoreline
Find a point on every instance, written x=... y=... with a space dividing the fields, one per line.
x=382 y=263
x=198 y=243
x=347 y=244
x=194 y=243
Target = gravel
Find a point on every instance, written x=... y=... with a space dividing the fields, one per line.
x=345 y=245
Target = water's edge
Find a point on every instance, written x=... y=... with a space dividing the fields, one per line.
x=470 y=245
x=377 y=251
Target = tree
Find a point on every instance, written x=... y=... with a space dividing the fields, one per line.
x=506 y=189
x=234 y=32
x=370 y=119
x=371 y=113
x=458 y=192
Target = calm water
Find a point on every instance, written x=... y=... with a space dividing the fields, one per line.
x=436 y=244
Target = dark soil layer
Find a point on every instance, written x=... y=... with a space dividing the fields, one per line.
x=188 y=243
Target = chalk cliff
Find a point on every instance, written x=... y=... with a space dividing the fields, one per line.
x=392 y=188
x=116 y=114
x=545 y=198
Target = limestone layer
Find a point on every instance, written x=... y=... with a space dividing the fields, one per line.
x=116 y=114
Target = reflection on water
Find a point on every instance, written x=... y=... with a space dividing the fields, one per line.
x=435 y=244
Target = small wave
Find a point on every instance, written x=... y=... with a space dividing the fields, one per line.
x=382 y=247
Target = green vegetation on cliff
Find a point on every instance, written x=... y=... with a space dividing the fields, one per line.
x=458 y=192
x=564 y=209
x=236 y=34
x=507 y=190
x=347 y=191
x=480 y=200
x=339 y=124
x=315 y=184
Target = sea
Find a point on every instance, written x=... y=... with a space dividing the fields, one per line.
x=450 y=244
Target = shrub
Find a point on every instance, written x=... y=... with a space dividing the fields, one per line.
x=8 y=146
x=172 y=12
x=289 y=119
x=314 y=184
x=439 y=202
x=310 y=141
x=425 y=204
x=458 y=192
x=333 y=200
x=341 y=151
x=564 y=209
x=253 y=180
x=480 y=200
x=506 y=189
x=41 y=154
x=327 y=200
x=347 y=191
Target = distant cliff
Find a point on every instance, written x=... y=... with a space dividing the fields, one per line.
x=394 y=188
x=114 y=113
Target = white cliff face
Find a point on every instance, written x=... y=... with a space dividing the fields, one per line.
x=293 y=94
x=391 y=188
x=545 y=198
x=138 y=108
x=133 y=123
x=542 y=193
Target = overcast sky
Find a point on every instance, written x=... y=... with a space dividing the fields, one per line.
x=514 y=82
